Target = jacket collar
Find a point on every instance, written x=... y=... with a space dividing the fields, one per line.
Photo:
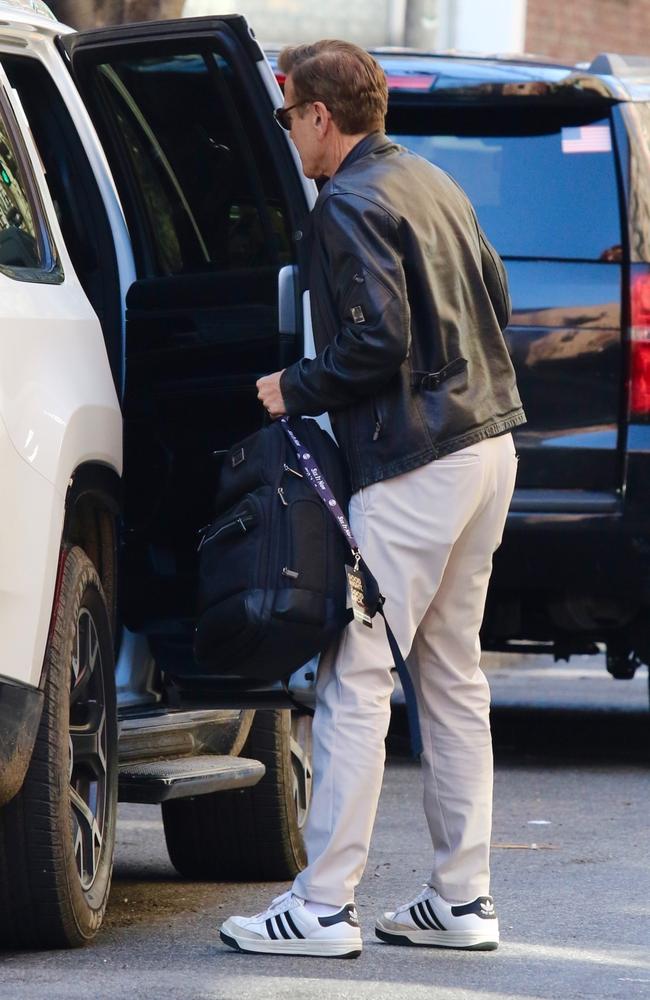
x=371 y=143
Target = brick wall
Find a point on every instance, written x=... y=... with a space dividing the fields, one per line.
x=576 y=30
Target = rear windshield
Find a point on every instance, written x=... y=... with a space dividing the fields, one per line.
x=543 y=184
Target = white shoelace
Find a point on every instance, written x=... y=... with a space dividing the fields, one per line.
x=424 y=894
x=282 y=902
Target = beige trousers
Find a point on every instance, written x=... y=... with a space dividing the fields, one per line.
x=428 y=536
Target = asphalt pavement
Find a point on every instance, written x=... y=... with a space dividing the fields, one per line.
x=571 y=876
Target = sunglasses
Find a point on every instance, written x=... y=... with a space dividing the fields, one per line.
x=282 y=116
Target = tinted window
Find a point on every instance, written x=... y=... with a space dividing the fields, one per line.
x=207 y=194
x=543 y=185
x=18 y=240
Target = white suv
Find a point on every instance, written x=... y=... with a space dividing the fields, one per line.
x=150 y=262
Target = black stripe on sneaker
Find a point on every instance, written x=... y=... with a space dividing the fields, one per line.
x=425 y=917
x=432 y=914
x=269 y=930
x=283 y=930
x=292 y=926
x=417 y=919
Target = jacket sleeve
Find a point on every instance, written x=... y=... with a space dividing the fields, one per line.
x=367 y=287
x=496 y=281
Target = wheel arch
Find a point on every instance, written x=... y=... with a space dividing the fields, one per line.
x=92 y=507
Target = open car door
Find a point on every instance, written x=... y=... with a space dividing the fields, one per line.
x=214 y=199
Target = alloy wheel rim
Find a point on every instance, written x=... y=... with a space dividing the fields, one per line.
x=87 y=741
x=301 y=764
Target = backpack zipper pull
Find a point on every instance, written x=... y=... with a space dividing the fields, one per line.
x=377 y=430
x=281 y=495
x=287 y=468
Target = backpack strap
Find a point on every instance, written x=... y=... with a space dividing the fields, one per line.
x=376 y=601
x=407 y=688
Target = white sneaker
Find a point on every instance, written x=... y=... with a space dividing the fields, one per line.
x=431 y=920
x=287 y=928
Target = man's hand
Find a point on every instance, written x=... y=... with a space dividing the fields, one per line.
x=269 y=395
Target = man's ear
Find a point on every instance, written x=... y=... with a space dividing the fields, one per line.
x=322 y=114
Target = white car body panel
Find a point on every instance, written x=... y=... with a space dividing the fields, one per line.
x=30 y=537
x=310 y=352
x=57 y=399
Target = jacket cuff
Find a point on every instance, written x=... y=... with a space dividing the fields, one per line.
x=295 y=402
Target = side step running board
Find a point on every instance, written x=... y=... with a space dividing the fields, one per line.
x=159 y=781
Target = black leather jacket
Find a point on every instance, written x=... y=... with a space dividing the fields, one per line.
x=408 y=304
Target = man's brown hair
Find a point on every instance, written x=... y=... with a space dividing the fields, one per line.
x=348 y=81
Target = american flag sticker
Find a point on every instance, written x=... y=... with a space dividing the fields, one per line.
x=587 y=139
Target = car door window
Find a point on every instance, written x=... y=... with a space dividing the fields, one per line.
x=205 y=195
x=19 y=243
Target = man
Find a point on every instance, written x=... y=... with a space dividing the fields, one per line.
x=409 y=301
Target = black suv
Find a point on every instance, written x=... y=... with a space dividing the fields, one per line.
x=555 y=160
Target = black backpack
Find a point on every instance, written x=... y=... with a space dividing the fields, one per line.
x=272 y=584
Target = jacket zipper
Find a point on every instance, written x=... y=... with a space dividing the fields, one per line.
x=378 y=420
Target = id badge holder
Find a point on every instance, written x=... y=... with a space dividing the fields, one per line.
x=358 y=594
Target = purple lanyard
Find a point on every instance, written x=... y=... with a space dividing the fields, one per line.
x=316 y=479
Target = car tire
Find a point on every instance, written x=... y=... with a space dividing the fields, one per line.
x=57 y=835
x=253 y=834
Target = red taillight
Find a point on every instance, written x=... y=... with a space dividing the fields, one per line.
x=640 y=346
x=641 y=300
x=411 y=81
x=396 y=81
